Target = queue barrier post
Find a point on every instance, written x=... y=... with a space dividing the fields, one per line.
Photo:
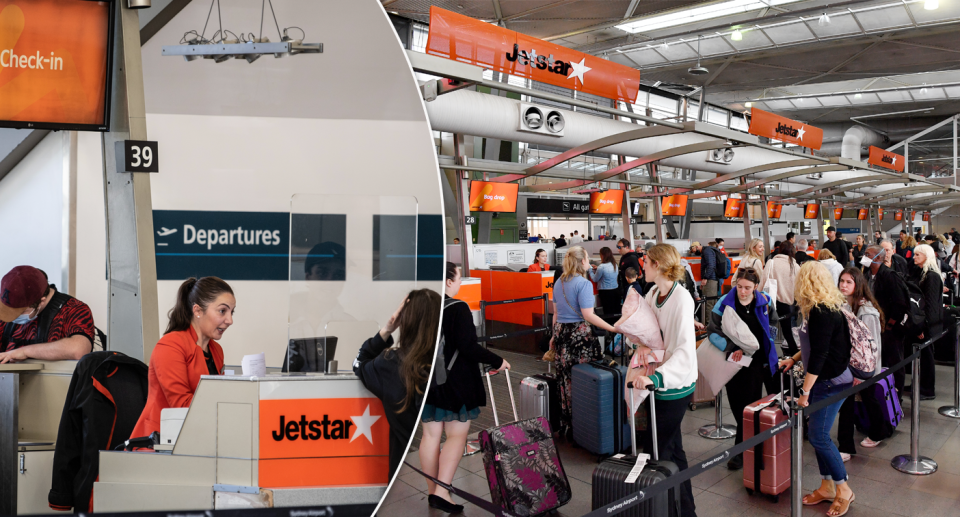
x=914 y=463
x=796 y=457
x=717 y=430
x=954 y=410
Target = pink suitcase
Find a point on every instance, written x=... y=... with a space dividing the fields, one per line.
x=770 y=461
x=701 y=394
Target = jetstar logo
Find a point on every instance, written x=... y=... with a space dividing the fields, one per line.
x=548 y=63
x=783 y=129
x=302 y=428
x=885 y=159
x=770 y=125
x=892 y=160
x=326 y=428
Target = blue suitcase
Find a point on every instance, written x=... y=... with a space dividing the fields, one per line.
x=600 y=422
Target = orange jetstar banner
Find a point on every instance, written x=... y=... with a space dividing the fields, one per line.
x=606 y=202
x=774 y=210
x=811 y=211
x=734 y=207
x=886 y=159
x=493 y=197
x=54 y=56
x=838 y=213
x=462 y=38
x=674 y=205
x=898 y=215
x=863 y=214
x=764 y=123
x=879 y=213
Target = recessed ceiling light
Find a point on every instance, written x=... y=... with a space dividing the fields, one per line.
x=931 y=5
x=664 y=46
x=707 y=12
x=749 y=104
x=857 y=96
x=824 y=20
x=736 y=35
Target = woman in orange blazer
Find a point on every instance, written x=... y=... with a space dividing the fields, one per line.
x=187 y=350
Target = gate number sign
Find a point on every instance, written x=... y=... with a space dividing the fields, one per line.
x=140 y=156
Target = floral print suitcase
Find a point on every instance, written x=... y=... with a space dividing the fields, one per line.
x=523 y=468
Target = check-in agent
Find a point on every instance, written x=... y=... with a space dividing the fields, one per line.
x=187 y=350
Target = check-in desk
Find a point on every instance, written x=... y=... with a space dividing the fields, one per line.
x=726 y=286
x=32 y=396
x=471 y=291
x=259 y=442
x=513 y=317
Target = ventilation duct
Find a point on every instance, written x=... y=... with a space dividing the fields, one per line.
x=856 y=138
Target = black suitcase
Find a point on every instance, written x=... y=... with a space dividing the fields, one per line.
x=553 y=397
x=609 y=478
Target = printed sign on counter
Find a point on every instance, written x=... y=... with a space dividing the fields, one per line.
x=764 y=123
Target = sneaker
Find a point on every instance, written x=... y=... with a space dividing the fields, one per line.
x=443 y=505
x=845 y=457
x=868 y=443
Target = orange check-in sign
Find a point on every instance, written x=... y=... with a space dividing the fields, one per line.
x=318 y=428
x=764 y=123
x=863 y=214
x=838 y=213
x=486 y=196
x=811 y=211
x=606 y=202
x=53 y=62
x=898 y=215
x=886 y=159
x=674 y=205
x=774 y=210
x=462 y=38
x=879 y=213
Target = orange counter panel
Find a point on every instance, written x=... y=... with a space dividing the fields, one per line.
x=506 y=285
x=470 y=293
x=695 y=266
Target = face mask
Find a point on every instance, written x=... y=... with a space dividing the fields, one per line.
x=23 y=319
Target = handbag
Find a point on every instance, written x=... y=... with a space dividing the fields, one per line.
x=713 y=365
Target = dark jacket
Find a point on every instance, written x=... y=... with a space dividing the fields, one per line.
x=559 y=243
x=900 y=264
x=464 y=386
x=766 y=315
x=629 y=260
x=932 y=286
x=829 y=343
x=888 y=291
x=801 y=257
x=380 y=373
x=106 y=396
x=840 y=249
x=708 y=263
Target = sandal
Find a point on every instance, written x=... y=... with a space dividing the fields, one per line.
x=841 y=505
x=845 y=457
x=817 y=497
x=868 y=443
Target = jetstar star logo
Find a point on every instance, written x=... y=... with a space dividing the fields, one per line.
x=885 y=159
x=326 y=429
x=766 y=124
x=548 y=63
x=337 y=427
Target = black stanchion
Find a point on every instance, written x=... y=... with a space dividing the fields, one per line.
x=914 y=463
x=954 y=410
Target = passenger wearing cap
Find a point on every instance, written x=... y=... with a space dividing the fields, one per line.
x=39 y=322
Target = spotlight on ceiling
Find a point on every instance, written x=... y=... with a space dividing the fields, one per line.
x=931 y=5
x=857 y=95
x=749 y=104
x=698 y=70
x=664 y=46
x=824 y=20
x=736 y=35
x=923 y=90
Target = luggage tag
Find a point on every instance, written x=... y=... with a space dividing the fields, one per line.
x=744 y=361
x=637 y=468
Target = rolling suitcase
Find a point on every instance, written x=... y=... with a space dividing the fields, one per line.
x=701 y=393
x=770 y=461
x=610 y=478
x=890 y=411
x=523 y=468
x=599 y=420
x=539 y=397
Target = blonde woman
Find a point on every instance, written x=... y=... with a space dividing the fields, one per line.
x=926 y=273
x=830 y=262
x=906 y=249
x=675 y=378
x=752 y=260
x=825 y=351
x=573 y=339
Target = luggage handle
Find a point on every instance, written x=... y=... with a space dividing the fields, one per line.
x=493 y=403
x=653 y=424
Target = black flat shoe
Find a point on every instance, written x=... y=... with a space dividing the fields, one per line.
x=735 y=463
x=443 y=505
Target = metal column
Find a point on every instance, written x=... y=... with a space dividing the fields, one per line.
x=134 y=326
x=746 y=219
x=463 y=207
x=626 y=214
x=9 y=431
x=819 y=227
x=657 y=204
x=765 y=219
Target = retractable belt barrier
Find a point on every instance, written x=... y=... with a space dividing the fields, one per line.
x=717 y=459
x=483 y=318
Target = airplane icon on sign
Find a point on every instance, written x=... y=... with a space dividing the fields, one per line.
x=164 y=231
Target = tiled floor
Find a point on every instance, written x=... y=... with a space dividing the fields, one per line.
x=880 y=490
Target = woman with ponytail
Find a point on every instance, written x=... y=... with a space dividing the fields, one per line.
x=397 y=375
x=187 y=350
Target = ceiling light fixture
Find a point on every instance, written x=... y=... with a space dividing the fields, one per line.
x=923 y=90
x=749 y=104
x=931 y=5
x=664 y=46
x=858 y=95
x=684 y=16
x=698 y=70
x=736 y=35
x=824 y=20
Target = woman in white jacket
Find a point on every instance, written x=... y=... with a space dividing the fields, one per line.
x=860 y=301
x=753 y=259
x=829 y=260
x=675 y=378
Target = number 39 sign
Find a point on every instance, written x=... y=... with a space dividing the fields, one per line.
x=139 y=156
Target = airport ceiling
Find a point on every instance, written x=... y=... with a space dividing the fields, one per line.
x=896 y=54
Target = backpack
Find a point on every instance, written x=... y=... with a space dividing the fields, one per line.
x=916 y=305
x=440 y=366
x=723 y=264
x=863 y=348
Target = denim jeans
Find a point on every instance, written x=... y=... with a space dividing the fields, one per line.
x=828 y=456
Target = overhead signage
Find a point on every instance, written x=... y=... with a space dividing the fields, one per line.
x=674 y=205
x=926 y=216
x=470 y=219
x=913 y=215
x=811 y=211
x=863 y=214
x=764 y=123
x=55 y=58
x=493 y=197
x=139 y=156
x=537 y=205
x=734 y=207
x=774 y=210
x=886 y=159
x=838 y=213
x=880 y=213
x=607 y=202
x=898 y=215
x=465 y=39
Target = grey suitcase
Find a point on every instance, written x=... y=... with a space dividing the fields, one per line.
x=539 y=397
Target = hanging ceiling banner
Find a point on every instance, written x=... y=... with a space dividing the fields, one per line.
x=898 y=215
x=774 y=210
x=465 y=39
x=838 y=213
x=926 y=216
x=863 y=214
x=764 y=123
x=879 y=213
x=886 y=159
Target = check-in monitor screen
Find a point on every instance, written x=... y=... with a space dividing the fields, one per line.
x=811 y=211
x=734 y=207
x=674 y=205
x=606 y=202
x=863 y=214
x=486 y=196
x=774 y=210
x=55 y=58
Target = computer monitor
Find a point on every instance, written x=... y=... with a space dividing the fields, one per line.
x=309 y=354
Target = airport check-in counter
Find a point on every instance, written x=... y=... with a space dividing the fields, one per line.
x=471 y=291
x=281 y=440
x=32 y=395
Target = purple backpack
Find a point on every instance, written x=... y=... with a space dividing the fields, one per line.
x=863 y=348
